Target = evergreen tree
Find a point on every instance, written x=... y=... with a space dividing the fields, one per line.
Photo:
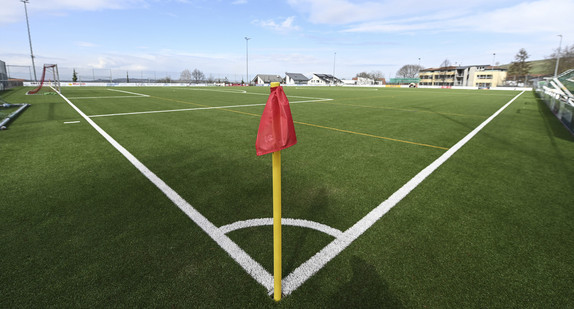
x=519 y=68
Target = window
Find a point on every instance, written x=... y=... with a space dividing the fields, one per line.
x=484 y=76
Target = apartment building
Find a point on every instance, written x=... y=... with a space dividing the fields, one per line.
x=482 y=76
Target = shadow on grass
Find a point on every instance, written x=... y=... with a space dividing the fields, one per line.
x=366 y=289
x=554 y=128
x=319 y=199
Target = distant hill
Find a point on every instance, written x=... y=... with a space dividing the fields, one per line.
x=539 y=67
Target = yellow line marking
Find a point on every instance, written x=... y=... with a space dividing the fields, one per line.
x=370 y=135
x=317 y=126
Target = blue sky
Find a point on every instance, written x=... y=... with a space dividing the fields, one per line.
x=302 y=36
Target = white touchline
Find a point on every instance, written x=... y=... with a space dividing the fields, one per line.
x=251 y=266
x=70 y=122
x=284 y=221
x=296 y=278
x=212 y=90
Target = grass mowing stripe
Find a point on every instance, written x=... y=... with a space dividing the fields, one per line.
x=251 y=266
x=347 y=131
x=404 y=109
x=319 y=260
x=370 y=135
x=197 y=108
x=226 y=108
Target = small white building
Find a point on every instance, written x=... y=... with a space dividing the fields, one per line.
x=265 y=79
x=295 y=79
x=324 y=80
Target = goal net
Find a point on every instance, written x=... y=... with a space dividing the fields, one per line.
x=50 y=80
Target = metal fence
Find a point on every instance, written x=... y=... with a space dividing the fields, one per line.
x=119 y=76
x=3 y=76
x=557 y=94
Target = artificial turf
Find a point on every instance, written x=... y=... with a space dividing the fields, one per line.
x=492 y=227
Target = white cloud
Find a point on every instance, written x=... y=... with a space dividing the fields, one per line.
x=13 y=10
x=85 y=44
x=521 y=18
x=286 y=25
x=527 y=17
x=239 y=2
x=337 y=11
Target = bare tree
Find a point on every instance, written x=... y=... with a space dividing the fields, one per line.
x=372 y=75
x=185 y=76
x=566 y=59
x=409 y=71
x=363 y=74
x=197 y=76
x=376 y=75
x=445 y=63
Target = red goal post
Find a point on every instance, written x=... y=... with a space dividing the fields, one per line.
x=50 y=78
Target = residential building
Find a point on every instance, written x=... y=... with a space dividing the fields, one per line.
x=482 y=76
x=263 y=79
x=324 y=80
x=295 y=79
x=363 y=81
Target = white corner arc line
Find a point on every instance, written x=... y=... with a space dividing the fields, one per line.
x=306 y=270
x=251 y=266
x=284 y=221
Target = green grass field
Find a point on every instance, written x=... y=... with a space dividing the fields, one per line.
x=80 y=226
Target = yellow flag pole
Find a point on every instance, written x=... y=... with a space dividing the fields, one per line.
x=277 y=225
x=276 y=221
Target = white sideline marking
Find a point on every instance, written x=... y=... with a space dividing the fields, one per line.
x=198 y=108
x=284 y=221
x=69 y=122
x=128 y=92
x=224 y=91
x=321 y=258
x=251 y=266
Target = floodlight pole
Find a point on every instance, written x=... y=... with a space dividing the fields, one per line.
x=30 y=38
x=419 y=68
x=247 y=59
x=334 y=58
x=558 y=57
x=492 y=67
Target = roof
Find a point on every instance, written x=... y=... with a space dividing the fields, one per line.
x=450 y=68
x=326 y=77
x=268 y=78
x=297 y=77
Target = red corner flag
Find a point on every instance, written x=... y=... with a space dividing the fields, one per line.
x=276 y=129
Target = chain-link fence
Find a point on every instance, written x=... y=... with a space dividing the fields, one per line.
x=3 y=76
x=124 y=76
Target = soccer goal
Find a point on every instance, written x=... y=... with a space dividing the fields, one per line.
x=50 y=80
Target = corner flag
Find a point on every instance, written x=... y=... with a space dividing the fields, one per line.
x=276 y=129
x=276 y=132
